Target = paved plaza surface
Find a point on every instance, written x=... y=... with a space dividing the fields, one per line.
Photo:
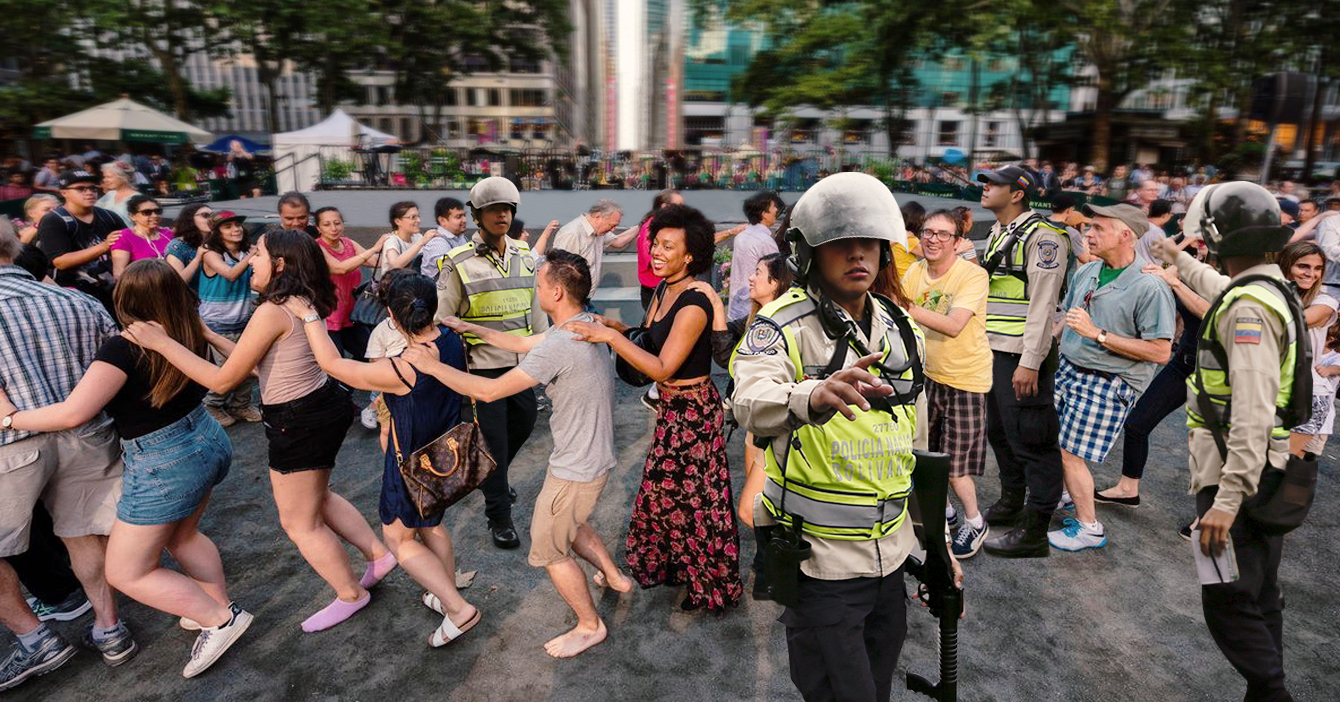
x=1120 y=624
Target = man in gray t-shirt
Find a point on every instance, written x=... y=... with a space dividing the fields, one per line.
x=579 y=378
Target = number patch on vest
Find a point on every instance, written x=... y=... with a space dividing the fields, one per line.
x=761 y=338
x=1247 y=330
x=1047 y=254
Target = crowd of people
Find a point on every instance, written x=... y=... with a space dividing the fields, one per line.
x=128 y=173
x=132 y=345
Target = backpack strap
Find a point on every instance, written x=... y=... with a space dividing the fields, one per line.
x=1300 y=397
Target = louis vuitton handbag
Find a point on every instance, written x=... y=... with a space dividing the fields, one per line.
x=450 y=467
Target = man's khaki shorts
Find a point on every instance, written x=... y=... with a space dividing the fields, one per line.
x=76 y=473
x=562 y=507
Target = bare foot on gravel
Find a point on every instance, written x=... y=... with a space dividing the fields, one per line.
x=571 y=644
x=621 y=584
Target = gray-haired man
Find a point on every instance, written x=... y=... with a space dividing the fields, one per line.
x=591 y=233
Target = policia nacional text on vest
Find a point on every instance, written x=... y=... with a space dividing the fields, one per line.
x=845 y=480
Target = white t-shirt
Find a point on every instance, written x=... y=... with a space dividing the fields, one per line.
x=386 y=341
x=397 y=246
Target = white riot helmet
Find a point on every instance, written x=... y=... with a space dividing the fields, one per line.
x=494 y=190
x=844 y=206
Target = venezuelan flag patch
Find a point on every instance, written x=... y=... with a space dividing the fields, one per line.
x=1247 y=330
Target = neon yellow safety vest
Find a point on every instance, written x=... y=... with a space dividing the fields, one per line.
x=847 y=480
x=498 y=299
x=1215 y=376
x=1007 y=298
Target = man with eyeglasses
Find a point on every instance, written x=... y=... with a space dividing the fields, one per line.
x=1118 y=330
x=78 y=237
x=948 y=296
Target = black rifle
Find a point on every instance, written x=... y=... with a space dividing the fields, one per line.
x=930 y=485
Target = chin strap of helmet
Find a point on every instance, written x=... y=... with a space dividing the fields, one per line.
x=843 y=329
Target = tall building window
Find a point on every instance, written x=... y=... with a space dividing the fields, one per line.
x=525 y=97
x=495 y=97
x=948 y=133
x=992 y=139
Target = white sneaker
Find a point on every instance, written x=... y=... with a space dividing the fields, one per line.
x=214 y=641
x=368 y=417
x=1073 y=536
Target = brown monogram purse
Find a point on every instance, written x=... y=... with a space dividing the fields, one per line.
x=450 y=467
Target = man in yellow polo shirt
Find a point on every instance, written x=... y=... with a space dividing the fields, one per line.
x=948 y=296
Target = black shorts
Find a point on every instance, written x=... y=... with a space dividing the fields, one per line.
x=306 y=433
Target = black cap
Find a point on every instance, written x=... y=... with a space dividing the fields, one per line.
x=1014 y=176
x=76 y=175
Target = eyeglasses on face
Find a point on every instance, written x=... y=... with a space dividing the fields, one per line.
x=151 y=212
x=941 y=234
x=84 y=189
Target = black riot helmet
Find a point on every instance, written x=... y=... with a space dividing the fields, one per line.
x=1242 y=219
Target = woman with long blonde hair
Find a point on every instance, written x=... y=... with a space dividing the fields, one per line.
x=174 y=454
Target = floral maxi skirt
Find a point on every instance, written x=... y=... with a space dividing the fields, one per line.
x=683 y=529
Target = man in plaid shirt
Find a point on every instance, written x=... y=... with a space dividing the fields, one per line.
x=1118 y=329
x=48 y=338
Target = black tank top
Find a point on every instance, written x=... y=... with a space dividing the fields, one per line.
x=699 y=361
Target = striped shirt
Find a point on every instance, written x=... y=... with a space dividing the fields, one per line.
x=48 y=338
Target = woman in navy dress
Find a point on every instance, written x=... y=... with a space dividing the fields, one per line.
x=422 y=409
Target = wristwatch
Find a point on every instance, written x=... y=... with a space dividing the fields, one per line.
x=313 y=317
x=1102 y=337
x=8 y=421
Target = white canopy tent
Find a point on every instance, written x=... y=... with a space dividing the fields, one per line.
x=295 y=153
x=122 y=120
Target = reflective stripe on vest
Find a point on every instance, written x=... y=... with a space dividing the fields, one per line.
x=501 y=302
x=1215 y=377
x=848 y=480
x=1007 y=297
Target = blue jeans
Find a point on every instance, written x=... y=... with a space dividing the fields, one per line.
x=169 y=472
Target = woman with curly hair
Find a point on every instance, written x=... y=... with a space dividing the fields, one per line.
x=306 y=414
x=683 y=530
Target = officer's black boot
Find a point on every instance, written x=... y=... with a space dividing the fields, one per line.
x=1005 y=512
x=1027 y=540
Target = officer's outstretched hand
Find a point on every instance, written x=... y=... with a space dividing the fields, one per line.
x=1214 y=528
x=849 y=386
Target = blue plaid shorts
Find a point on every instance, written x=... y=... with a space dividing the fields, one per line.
x=1092 y=408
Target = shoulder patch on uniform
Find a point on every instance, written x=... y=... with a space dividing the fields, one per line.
x=1247 y=330
x=761 y=337
x=1047 y=254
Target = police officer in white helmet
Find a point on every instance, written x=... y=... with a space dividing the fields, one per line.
x=836 y=487
x=490 y=281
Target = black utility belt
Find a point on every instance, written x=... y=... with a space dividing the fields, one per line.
x=1105 y=375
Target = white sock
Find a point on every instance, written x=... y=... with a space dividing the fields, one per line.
x=1095 y=527
x=949 y=512
x=977 y=522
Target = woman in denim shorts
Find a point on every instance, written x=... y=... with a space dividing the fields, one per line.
x=174 y=455
x=306 y=415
